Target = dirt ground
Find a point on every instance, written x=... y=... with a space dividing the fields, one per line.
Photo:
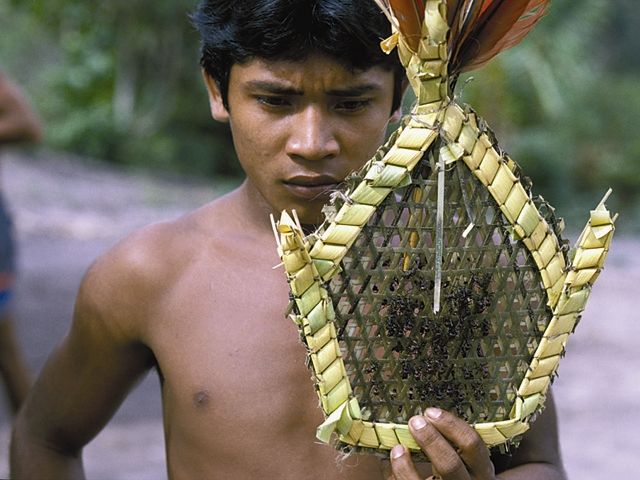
x=67 y=213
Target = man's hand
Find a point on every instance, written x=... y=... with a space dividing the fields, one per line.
x=454 y=448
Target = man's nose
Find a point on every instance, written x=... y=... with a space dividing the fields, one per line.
x=312 y=136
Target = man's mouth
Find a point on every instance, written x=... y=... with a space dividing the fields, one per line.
x=312 y=187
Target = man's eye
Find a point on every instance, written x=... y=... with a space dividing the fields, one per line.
x=352 y=105
x=270 y=101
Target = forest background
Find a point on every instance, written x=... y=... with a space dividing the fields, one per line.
x=119 y=82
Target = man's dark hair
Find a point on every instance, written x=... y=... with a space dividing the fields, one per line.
x=349 y=31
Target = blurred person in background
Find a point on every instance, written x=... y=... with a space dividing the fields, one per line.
x=18 y=124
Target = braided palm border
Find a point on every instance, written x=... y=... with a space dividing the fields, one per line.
x=312 y=261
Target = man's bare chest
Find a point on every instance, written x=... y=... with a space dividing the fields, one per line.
x=236 y=390
x=224 y=343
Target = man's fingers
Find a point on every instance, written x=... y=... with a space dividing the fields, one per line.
x=444 y=458
x=402 y=465
x=387 y=474
x=465 y=441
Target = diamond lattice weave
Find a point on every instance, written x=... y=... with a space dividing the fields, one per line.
x=399 y=355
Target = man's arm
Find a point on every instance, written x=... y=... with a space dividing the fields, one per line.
x=18 y=121
x=458 y=453
x=87 y=376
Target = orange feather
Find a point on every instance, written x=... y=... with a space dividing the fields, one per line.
x=409 y=14
x=480 y=29
x=504 y=28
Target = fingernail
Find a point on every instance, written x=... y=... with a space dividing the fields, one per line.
x=418 y=423
x=434 y=413
x=397 y=451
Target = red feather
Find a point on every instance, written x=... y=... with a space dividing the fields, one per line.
x=480 y=29
x=504 y=28
x=498 y=25
x=410 y=14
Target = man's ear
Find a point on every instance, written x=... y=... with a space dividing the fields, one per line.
x=397 y=114
x=218 y=110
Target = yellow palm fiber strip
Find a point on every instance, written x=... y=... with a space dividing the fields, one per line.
x=369 y=437
x=416 y=217
x=420 y=137
x=502 y=185
x=355 y=214
x=454 y=119
x=593 y=247
x=524 y=407
x=496 y=173
x=561 y=324
x=340 y=234
x=354 y=432
x=490 y=435
x=488 y=167
x=407 y=157
x=497 y=433
x=547 y=250
x=516 y=200
x=342 y=417
x=405 y=437
x=368 y=195
x=326 y=268
x=514 y=429
x=337 y=396
x=292 y=250
x=291 y=246
x=321 y=337
x=325 y=356
x=310 y=300
x=302 y=279
x=577 y=287
x=533 y=241
x=331 y=376
x=528 y=221
x=386 y=435
x=532 y=386
x=544 y=367
x=388 y=176
x=318 y=317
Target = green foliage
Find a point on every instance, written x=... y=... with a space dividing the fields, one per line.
x=567 y=107
x=117 y=80
x=120 y=81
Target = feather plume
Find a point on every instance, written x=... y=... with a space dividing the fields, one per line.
x=490 y=27
x=386 y=9
x=409 y=14
x=480 y=29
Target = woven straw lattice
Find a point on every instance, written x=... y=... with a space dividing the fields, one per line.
x=398 y=354
x=437 y=279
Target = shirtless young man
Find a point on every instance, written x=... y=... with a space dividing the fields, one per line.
x=308 y=96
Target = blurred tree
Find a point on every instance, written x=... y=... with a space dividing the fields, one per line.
x=120 y=81
x=568 y=105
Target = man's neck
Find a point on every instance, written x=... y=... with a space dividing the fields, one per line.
x=252 y=209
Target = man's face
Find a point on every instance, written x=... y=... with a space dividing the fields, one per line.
x=299 y=128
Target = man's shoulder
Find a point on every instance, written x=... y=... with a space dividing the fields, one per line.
x=127 y=282
x=151 y=253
